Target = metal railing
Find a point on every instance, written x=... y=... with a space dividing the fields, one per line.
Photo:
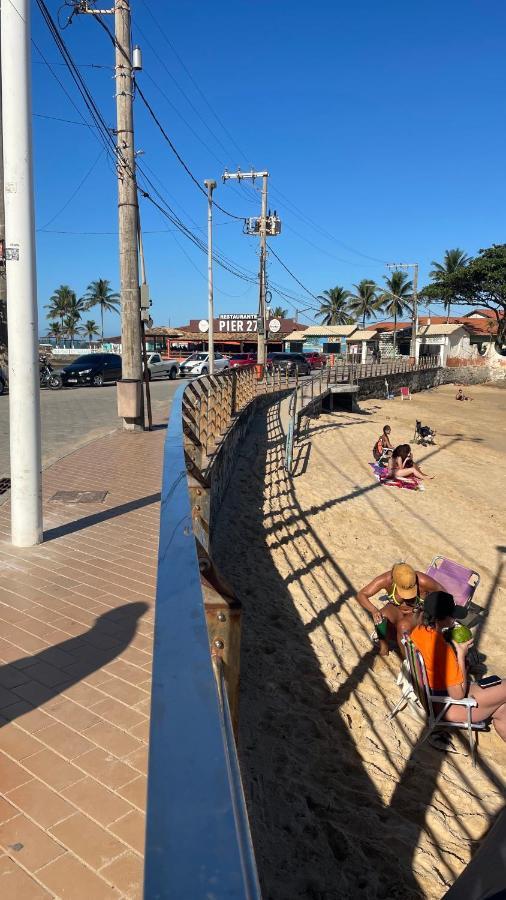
x=198 y=843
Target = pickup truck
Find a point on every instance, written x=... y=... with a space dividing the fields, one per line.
x=159 y=366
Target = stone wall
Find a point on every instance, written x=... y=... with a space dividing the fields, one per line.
x=425 y=379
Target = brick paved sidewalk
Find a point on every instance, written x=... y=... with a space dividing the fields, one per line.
x=76 y=621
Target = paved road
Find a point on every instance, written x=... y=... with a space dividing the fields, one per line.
x=74 y=416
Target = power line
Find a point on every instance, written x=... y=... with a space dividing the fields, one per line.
x=285 y=267
x=74 y=193
x=58 y=119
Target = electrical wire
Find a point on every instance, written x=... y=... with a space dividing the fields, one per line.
x=285 y=267
x=74 y=193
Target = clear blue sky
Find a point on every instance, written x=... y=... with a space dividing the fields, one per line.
x=384 y=122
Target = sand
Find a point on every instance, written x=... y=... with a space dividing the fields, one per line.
x=340 y=805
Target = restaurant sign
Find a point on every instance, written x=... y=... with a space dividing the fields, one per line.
x=242 y=323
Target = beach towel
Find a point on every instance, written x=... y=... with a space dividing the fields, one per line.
x=381 y=472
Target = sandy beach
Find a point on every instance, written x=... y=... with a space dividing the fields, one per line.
x=340 y=806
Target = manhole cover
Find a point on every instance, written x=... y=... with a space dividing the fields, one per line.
x=5 y=485
x=80 y=496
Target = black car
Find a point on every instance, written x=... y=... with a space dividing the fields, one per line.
x=92 y=368
x=291 y=362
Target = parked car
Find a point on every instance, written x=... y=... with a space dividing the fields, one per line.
x=159 y=366
x=92 y=368
x=290 y=362
x=198 y=364
x=242 y=359
x=315 y=360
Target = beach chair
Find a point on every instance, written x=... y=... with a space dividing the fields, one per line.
x=423 y=434
x=433 y=706
x=459 y=581
x=405 y=393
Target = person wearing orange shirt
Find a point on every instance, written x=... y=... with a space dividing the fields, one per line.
x=445 y=663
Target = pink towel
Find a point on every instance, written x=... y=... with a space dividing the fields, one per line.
x=381 y=472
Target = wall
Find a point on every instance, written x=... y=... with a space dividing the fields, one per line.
x=426 y=379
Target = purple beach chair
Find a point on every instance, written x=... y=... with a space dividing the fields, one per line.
x=456 y=579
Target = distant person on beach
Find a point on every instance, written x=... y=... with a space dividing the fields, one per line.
x=404 y=589
x=446 y=667
x=383 y=444
x=461 y=396
x=402 y=467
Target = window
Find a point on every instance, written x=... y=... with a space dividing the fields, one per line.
x=155 y=358
x=218 y=356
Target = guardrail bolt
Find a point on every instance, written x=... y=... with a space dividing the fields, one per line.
x=219 y=644
x=221 y=617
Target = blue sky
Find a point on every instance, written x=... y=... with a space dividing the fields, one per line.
x=382 y=125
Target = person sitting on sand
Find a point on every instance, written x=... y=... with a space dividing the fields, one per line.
x=445 y=663
x=402 y=467
x=383 y=446
x=461 y=396
x=405 y=589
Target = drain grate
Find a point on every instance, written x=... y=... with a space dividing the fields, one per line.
x=5 y=485
x=80 y=496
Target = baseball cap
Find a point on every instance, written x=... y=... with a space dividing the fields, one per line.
x=440 y=605
x=404 y=578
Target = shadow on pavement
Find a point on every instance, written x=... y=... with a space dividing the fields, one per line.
x=96 y=518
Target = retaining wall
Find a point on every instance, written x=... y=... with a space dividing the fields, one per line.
x=423 y=380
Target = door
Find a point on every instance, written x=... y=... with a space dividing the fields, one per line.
x=112 y=368
x=155 y=364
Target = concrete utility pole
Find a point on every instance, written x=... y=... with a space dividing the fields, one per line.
x=131 y=337
x=3 y=279
x=24 y=382
x=210 y=185
x=127 y=211
x=262 y=232
x=414 y=315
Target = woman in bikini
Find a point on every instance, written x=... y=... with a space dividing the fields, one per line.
x=402 y=467
x=405 y=589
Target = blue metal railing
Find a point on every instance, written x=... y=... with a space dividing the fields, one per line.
x=198 y=842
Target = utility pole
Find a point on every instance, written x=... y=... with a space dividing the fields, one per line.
x=414 y=311
x=3 y=278
x=24 y=381
x=210 y=185
x=260 y=228
x=131 y=340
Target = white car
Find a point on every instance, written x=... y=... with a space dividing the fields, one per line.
x=198 y=364
x=159 y=366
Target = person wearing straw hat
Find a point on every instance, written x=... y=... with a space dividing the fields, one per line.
x=403 y=588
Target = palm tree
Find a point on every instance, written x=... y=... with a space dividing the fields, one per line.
x=397 y=298
x=99 y=293
x=278 y=312
x=55 y=331
x=71 y=327
x=60 y=302
x=453 y=259
x=334 y=306
x=90 y=330
x=365 y=302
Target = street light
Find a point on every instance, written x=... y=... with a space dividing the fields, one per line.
x=210 y=185
x=414 y=318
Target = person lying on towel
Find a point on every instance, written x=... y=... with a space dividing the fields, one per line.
x=403 y=589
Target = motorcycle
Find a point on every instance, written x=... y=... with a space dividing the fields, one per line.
x=48 y=377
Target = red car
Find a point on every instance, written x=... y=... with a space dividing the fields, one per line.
x=315 y=360
x=242 y=359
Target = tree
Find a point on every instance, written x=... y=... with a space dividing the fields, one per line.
x=365 y=302
x=99 y=293
x=453 y=260
x=278 y=312
x=55 y=331
x=71 y=326
x=482 y=282
x=334 y=306
x=90 y=330
x=397 y=298
x=61 y=302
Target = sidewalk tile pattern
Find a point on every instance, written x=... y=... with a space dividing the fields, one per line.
x=76 y=633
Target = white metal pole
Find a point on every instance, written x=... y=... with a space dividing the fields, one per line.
x=24 y=390
x=210 y=185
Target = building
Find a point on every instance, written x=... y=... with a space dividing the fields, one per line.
x=319 y=339
x=363 y=344
x=443 y=341
x=233 y=333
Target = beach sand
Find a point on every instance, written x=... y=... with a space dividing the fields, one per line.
x=340 y=806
